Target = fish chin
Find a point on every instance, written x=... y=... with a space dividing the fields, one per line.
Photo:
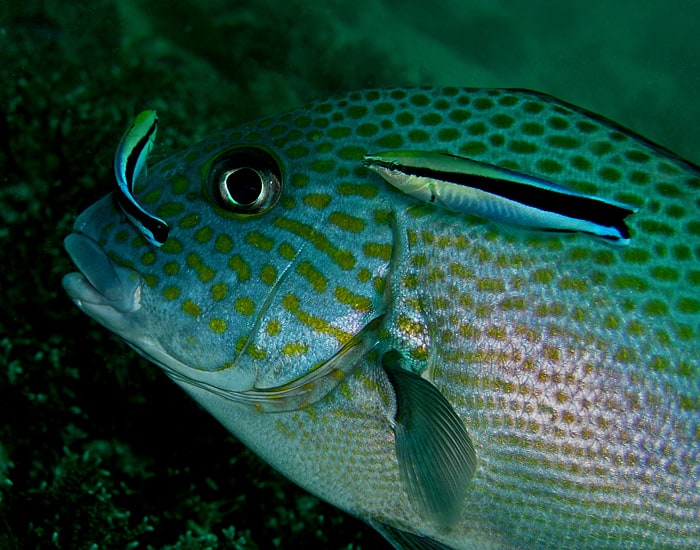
x=108 y=293
x=112 y=295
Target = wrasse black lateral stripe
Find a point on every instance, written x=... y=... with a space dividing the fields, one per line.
x=155 y=228
x=134 y=156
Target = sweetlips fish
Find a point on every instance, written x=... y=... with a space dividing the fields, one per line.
x=470 y=317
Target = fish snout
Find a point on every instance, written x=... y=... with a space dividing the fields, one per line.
x=101 y=289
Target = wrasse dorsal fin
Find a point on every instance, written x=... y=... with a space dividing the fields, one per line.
x=466 y=185
x=435 y=454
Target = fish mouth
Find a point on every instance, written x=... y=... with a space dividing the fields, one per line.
x=103 y=290
x=99 y=283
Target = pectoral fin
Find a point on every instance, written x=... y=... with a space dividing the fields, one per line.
x=435 y=454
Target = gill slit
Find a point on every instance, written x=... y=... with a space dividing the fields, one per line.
x=266 y=304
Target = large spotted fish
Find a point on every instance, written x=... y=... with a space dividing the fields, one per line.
x=469 y=317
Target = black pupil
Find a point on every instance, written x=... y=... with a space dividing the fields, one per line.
x=244 y=185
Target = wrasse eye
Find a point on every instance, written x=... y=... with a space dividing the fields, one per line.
x=246 y=181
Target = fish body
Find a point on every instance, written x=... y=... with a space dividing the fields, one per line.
x=455 y=381
x=129 y=161
x=465 y=185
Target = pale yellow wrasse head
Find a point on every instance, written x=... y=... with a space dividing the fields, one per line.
x=466 y=362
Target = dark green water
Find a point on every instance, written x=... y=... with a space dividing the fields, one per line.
x=97 y=447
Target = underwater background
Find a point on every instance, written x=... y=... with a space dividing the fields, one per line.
x=98 y=449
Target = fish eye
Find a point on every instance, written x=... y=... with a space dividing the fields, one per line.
x=242 y=187
x=246 y=181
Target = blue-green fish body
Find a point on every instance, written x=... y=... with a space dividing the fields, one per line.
x=455 y=381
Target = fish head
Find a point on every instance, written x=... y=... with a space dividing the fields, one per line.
x=262 y=277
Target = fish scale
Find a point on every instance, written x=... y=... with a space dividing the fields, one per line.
x=546 y=437
x=572 y=364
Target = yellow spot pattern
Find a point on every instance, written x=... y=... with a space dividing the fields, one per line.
x=291 y=304
x=355 y=301
x=189 y=307
x=244 y=305
x=217 y=325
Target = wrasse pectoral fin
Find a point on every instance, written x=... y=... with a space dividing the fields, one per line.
x=465 y=185
x=129 y=161
x=435 y=454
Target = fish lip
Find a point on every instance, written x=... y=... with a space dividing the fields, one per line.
x=100 y=288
